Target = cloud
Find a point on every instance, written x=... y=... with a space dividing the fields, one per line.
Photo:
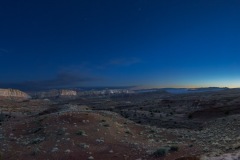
x=60 y=81
x=119 y=62
x=125 y=62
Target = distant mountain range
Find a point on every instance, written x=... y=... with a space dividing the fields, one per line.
x=184 y=90
x=194 y=90
x=99 y=91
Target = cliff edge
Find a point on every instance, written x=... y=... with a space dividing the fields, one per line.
x=13 y=93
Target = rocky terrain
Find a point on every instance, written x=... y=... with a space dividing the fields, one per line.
x=13 y=93
x=76 y=93
x=61 y=93
x=138 y=126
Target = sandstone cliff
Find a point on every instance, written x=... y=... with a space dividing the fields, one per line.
x=57 y=94
x=68 y=93
x=13 y=93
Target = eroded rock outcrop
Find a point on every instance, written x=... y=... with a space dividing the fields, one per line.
x=67 y=92
x=57 y=94
x=13 y=93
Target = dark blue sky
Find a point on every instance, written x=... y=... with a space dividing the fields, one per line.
x=165 y=43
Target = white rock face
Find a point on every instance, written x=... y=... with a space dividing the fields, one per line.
x=68 y=93
x=57 y=94
x=227 y=156
x=13 y=93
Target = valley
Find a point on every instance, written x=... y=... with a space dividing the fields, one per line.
x=128 y=125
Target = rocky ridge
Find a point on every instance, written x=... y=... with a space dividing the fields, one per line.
x=13 y=93
x=56 y=94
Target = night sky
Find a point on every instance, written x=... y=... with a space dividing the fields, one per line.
x=155 y=43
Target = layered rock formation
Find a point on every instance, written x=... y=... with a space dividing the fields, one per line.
x=57 y=94
x=67 y=93
x=13 y=93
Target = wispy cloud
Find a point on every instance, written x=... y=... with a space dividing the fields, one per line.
x=119 y=62
x=61 y=80
x=124 y=61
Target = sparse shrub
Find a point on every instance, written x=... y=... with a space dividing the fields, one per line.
x=128 y=132
x=34 y=152
x=103 y=120
x=160 y=152
x=151 y=131
x=227 y=112
x=80 y=133
x=152 y=114
x=125 y=115
x=174 y=148
x=37 y=140
x=191 y=145
x=190 y=116
x=106 y=125
x=83 y=145
x=60 y=132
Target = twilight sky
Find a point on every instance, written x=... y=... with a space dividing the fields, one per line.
x=157 y=43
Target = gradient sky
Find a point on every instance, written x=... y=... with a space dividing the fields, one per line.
x=165 y=43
